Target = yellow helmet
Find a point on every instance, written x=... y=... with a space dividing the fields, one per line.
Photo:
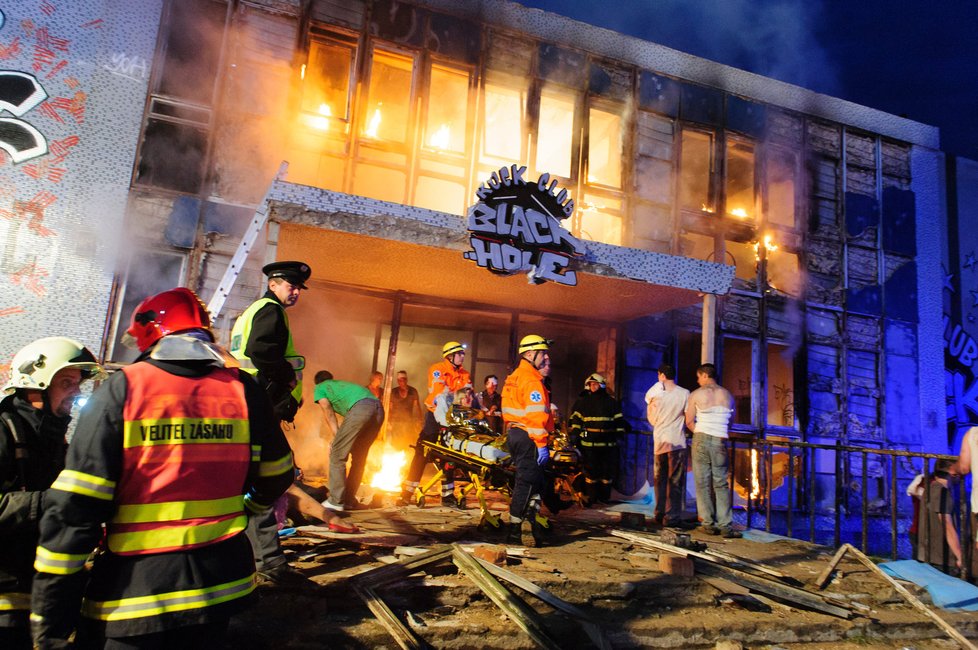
x=596 y=378
x=532 y=342
x=451 y=348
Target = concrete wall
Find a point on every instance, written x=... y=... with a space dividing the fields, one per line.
x=62 y=208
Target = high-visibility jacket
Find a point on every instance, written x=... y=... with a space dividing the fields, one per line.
x=244 y=344
x=526 y=403
x=596 y=420
x=444 y=374
x=169 y=455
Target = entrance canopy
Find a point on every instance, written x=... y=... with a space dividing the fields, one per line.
x=362 y=242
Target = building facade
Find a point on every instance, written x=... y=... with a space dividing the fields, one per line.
x=794 y=239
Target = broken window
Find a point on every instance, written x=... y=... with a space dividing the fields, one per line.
x=737 y=369
x=604 y=148
x=386 y=113
x=326 y=83
x=739 y=181
x=600 y=219
x=174 y=144
x=149 y=273
x=780 y=386
x=783 y=273
x=502 y=130
x=448 y=101
x=743 y=256
x=780 y=174
x=695 y=171
x=555 y=134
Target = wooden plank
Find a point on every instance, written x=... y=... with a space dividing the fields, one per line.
x=402 y=634
x=404 y=568
x=587 y=622
x=511 y=604
x=712 y=565
x=823 y=577
x=913 y=600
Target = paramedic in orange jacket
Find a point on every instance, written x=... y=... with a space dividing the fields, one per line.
x=528 y=421
x=170 y=454
x=446 y=376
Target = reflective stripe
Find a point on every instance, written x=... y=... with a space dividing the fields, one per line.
x=88 y=485
x=585 y=443
x=512 y=411
x=177 y=510
x=12 y=602
x=254 y=507
x=62 y=564
x=183 y=431
x=176 y=601
x=276 y=467
x=255 y=453
x=175 y=537
x=297 y=363
x=536 y=430
x=598 y=419
x=535 y=408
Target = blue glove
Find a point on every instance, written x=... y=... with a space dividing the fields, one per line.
x=543 y=455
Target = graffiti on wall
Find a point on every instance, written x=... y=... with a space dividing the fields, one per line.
x=961 y=385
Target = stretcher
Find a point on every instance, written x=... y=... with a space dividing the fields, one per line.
x=468 y=446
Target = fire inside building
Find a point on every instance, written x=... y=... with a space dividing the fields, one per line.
x=691 y=212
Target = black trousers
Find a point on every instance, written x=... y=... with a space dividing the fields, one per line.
x=600 y=463
x=429 y=432
x=202 y=636
x=530 y=478
x=670 y=470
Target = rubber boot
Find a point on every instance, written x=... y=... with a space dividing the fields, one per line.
x=590 y=494
x=514 y=534
x=451 y=501
x=604 y=492
x=538 y=532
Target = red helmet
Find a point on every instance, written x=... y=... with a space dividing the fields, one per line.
x=176 y=310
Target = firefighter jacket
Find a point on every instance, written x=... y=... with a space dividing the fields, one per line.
x=596 y=420
x=444 y=374
x=526 y=403
x=169 y=455
x=32 y=453
x=262 y=342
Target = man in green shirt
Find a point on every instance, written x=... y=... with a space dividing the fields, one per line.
x=363 y=416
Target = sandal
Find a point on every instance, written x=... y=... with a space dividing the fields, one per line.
x=337 y=527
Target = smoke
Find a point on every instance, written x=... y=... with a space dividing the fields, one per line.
x=774 y=38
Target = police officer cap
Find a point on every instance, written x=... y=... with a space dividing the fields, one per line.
x=293 y=272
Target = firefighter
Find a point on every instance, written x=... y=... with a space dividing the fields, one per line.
x=596 y=426
x=446 y=376
x=170 y=454
x=262 y=342
x=528 y=421
x=45 y=379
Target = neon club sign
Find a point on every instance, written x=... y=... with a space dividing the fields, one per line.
x=515 y=227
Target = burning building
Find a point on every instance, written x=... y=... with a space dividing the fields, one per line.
x=790 y=237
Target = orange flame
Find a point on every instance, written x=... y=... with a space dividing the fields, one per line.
x=388 y=479
x=755 y=479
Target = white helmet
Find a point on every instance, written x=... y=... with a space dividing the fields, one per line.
x=36 y=364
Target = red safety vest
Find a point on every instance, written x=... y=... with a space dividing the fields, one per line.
x=186 y=455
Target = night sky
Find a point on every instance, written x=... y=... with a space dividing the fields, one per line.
x=911 y=58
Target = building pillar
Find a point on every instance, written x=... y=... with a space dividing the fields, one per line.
x=709 y=328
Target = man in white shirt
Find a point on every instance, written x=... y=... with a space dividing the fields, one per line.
x=708 y=415
x=666 y=414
